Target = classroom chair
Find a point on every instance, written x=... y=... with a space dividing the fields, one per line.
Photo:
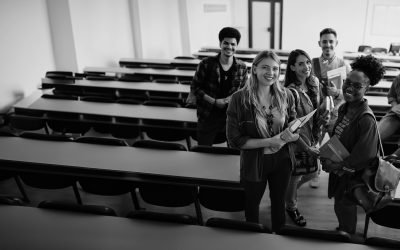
x=184 y=57
x=379 y=50
x=170 y=131
x=394 y=48
x=101 y=78
x=60 y=75
x=103 y=186
x=28 y=123
x=71 y=207
x=49 y=181
x=364 y=48
x=60 y=97
x=67 y=90
x=67 y=123
x=134 y=78
x=99 y=123
x=126 y=128
x=387 y=216
x=167 y=195
x=321 y=234
x=220 y=199
x=237 y=225
x=93 y=92
x=134 y=95
x=14 y=201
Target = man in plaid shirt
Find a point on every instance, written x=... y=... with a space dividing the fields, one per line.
x=216 y=79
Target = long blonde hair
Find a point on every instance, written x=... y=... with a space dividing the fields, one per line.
x=278 y=93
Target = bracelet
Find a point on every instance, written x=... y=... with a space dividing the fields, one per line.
x=215 y=101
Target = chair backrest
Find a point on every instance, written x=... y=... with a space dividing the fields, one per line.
x=394 y=48
x=165 y=217
x=162 y=103
x=221 y=199
x=159 y=145
x=184 y=57
x=166 y=81
x=71 y=207
x=215 y=150
x=60 y=74
x=98 y=99
x=60 y=96
x=364 y=48
x=101 y=141
x=379 y=50
x=23 y=122
x=101 y=78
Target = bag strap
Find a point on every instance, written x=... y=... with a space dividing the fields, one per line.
x=379 y=139
x=317 y=67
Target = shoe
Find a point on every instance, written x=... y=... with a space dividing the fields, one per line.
x=314 y=183
x=296 y=217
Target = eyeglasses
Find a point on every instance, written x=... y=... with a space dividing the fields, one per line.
x=355 y=85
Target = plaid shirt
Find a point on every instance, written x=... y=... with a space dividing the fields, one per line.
x=207 y=81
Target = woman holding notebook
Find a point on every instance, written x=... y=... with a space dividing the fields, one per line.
x=258 y=117
x=356 y=129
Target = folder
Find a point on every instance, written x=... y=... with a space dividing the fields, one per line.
x=333 y=150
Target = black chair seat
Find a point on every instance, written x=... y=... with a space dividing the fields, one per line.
x=165 y=217
x=87 y=209
x=237 y=225
x=330 y=235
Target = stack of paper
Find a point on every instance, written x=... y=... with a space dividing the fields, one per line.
x=333 y=150
x=336 y=77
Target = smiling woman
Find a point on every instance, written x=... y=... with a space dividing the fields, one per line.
x=357 y=131
x=257 y=123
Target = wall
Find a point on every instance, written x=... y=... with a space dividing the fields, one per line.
x=159 y=20
x=102 y=32
x=25 y=48
x=303 y=20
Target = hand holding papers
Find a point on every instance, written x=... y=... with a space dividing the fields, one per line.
x=336 y=77
x=299 y=122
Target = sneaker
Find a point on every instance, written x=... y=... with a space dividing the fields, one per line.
x=314 y=183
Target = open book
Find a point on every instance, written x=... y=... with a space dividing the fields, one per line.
x=333 y=150
x=336 y=76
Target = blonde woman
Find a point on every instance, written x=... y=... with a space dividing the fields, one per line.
x=257 y=124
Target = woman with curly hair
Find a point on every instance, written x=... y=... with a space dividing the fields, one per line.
x=356 y=129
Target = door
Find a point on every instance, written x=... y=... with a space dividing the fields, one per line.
x=265 y=24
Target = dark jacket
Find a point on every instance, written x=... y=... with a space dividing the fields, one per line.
x=360 y=138
x=241 y=126
x=207 y=81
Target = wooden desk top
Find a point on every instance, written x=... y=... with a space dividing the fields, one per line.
x=149 y=86
x=120 y=161
x=354 y=55
x=189 y=62
x=247 y=57
x=34 y=102
x=35 y=228
x=145 y=71
x=246 y=50
x=377 y=101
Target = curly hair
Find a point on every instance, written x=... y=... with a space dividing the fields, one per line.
x=371 y=67
x=229 y=32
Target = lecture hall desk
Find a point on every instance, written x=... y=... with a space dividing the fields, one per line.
x=35 y=228
x=141 y=71
x=145 y=86
x=119 y=162
x=35 y=103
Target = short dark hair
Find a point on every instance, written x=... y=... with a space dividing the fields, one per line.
x=327 y=31
x=229 y=32
x=371 y=66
